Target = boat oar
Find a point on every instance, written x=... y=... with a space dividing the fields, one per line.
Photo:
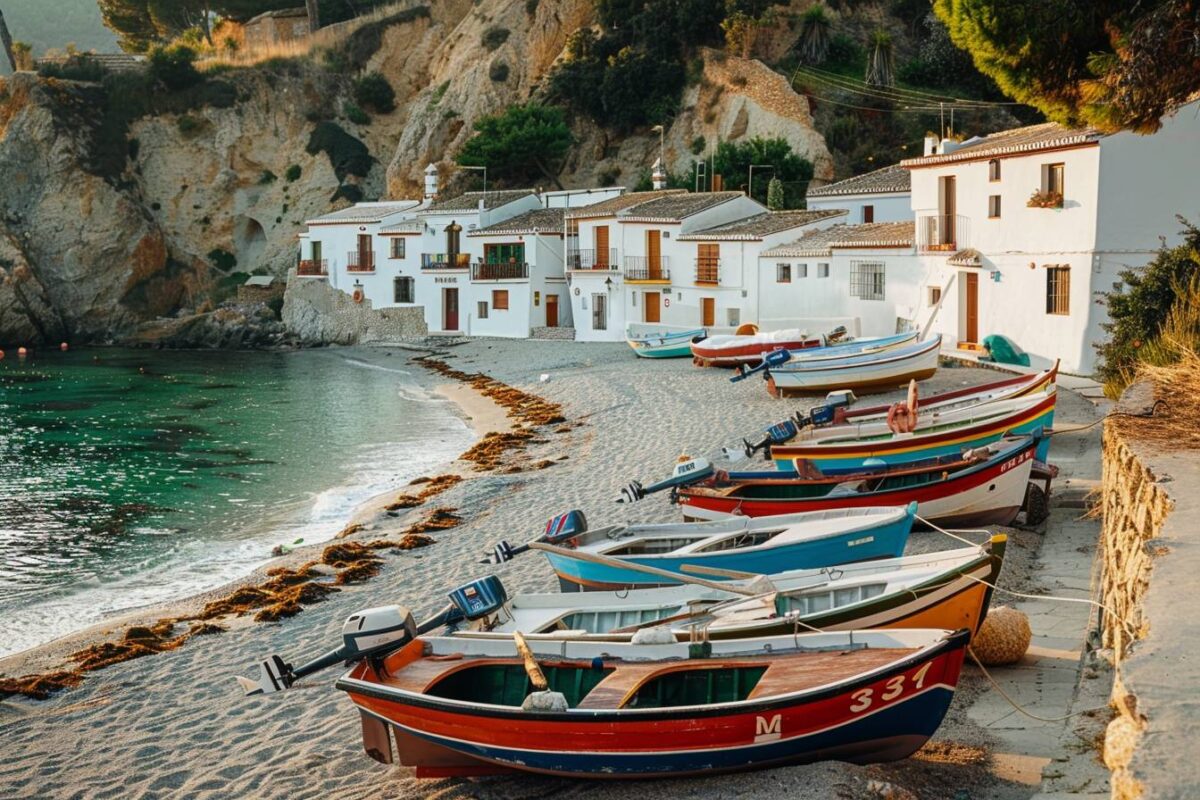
x=532 y=668
x=617 y=563
x=735 y=574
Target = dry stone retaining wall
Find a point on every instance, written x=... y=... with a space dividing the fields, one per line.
x=317 y=313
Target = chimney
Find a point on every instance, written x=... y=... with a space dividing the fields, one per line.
x=431 y=183
x=659 y=178
x=931 y=145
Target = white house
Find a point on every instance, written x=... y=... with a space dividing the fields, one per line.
x=879 y=196
x=519 y=283
x=1020 y=231
x=865 y=277
x=343 y=246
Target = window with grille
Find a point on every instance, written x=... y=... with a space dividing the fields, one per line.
x=994 y=206
x=823 y=269
x=802 y=270
x=783 y=273
x=866 y=280
x=500 y=299
x=994 y=169
x=1058 y=289
x=397 y=247
x=403 y=290
x=483 y=310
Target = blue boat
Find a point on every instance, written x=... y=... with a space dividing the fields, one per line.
x=764 y=545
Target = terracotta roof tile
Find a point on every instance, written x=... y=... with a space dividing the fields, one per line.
x=675 y=207
x=871 y=234
x=760 y=225
x=613 y=205
x=469 y=201
x=541 y=220
x=1017 y=140
x=361 y=213
x=889 y=179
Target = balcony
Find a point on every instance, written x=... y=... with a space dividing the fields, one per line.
x=650 y=270
x=445 y=260
x=360 y=261
x=708 y=270
x=509 y=271
x=938 y=233
x=313 y=268
x=593 y=259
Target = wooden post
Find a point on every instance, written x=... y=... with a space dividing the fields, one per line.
x=314 y=16
x=7 y=41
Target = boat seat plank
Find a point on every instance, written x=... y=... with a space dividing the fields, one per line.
x=796 y=675
x=619 y=683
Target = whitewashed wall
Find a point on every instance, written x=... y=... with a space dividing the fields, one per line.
x=890 y=207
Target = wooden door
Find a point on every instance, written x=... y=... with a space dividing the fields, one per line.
x=949 y=210
x=601 y=261
x=708 y=311
x=551 y=311
x=654 y=256
x=450 y=309
x=972 y=332
x=651 y=305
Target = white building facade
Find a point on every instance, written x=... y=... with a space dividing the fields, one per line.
x=883 y=195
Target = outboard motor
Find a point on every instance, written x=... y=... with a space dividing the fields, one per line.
x=772 y=359
x=692 y=470
x=817 y=416
x=477 y=600
x=559 y=530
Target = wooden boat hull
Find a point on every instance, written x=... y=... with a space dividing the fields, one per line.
x=885 y=369
x=991 y=493
x=858 y=542
x=709 y=353
x=833 y=457
x=883 y=714
x=664 y=345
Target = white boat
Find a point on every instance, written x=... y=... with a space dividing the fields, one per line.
x=657 y=342
x=883 y=369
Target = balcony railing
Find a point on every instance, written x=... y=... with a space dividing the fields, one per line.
x=942 y=233
x=315 y=267
x=645 y=268
x=445 y=260
x=708 y=270
x=592 y=259
x=360 y=261
x=509 y=271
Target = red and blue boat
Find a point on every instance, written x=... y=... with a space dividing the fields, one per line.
x=458 y=707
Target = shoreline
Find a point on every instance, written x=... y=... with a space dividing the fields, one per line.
x=481 y=414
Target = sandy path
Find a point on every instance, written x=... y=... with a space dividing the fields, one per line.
x=176 y=725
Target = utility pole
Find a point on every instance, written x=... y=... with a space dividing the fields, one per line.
x=314 y=16
x=7 y=41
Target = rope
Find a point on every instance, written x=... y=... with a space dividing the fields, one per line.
x=956 y=536
x=1111 y=415
x=1017 y=705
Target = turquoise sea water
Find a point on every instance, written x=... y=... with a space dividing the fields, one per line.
x=129 y=477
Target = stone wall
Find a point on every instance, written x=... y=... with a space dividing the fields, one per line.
x=316 y=313
x=1147 y=564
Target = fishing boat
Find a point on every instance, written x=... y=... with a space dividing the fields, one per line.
x=748 y=346
x=984 y=486
x=847 y=448
x=949 y=589
x=792 y=541
x=660 y=343
x=879 y=369
x=582 y=709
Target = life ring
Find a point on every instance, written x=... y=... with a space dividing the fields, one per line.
x=358 y=294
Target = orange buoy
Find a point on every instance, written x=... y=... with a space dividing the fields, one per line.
x=358 y=295
x=63 y=347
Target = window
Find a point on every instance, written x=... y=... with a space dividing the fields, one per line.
x=823 y=269
x=802 y=270
x=994 y=206
x=1052 y=178
x=994 y=170
x=783 y=273
x=733 y=317
x=483 y=311
x=935 y=295
x=402 y=289
x=866 y=280
x=1058 y=289
x=868 y=213
x=500 y=299
x=599 y=312
x=397 y=247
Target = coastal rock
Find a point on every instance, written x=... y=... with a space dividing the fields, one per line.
x=228 y=327
x=317 y=314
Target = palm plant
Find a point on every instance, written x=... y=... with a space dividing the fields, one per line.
x=881 y=63
x=813 y=44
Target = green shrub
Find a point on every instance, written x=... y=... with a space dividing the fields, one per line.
x=174 y=66
x=293 y=173
x=223 y=260
x=374 y=92
x=189 y=125
x=494 y=36
x=498 y=71
x=845 y=54
x=439 y=93
x=347 y=155
x=267 y=177
x=698 y=145
x=356 y=114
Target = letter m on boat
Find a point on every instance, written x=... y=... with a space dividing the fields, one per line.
x=768 y=730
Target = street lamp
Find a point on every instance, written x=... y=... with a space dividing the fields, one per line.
x=484 y=170
x=750 y=185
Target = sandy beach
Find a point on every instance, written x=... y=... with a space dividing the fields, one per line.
x=176 y=725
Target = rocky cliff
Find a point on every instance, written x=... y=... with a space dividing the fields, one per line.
x=111 y=217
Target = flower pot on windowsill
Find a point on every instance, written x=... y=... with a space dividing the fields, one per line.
x=1043 y=199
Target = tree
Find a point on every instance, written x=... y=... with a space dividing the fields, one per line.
x=732 y=162
x=881 y=63
x=519 y=143
x=1123 y=65
x=813 y=44
x=775 y=200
